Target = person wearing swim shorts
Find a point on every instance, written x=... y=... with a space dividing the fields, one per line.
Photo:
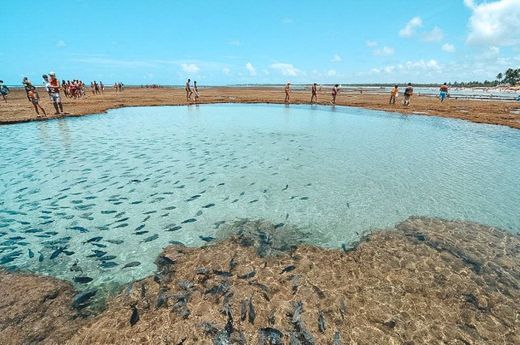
x=335 y=91
x=52 y=85
x=187 y=87
x=288 y=93
x=4 y=91
x=408 y=92
x=35 y=100
x=314 y=93
x=443 y=92
x=393 y=94
x=195 y=91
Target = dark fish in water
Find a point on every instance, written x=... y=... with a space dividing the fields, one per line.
x=208 y=205
x=253 y=201
x=134 y=318
x=56 y=253
x=304 y=198
x=174 y=228
x=151 y=238
x=99 y=245
x=97 y=253
x=286 y=187
x=206 y=238
x=132 y=264
x=82 y=280
x=146 y=218
x=122 y=225
x=140 y=227
x=288 y=269
x=115 y=241
x=68 y=252
x=243 y=310
x=79 y=228
x=108 y=257
x=108 y=264
x=122 y=220
x=279 y=225
x=336 y=340
x=251 y=314
x=321 y=322
x=169 y=208
x=10 y=257
x=177 y=243
x=232 y=264
x=199 y=213
x=191 y=220
x=141 y=232
x=222 y=273
x=81 y=300
x=31 y=254
x=247 y=275
x=108 y=211
x=94 y=239
x=40 y=258
x=270 y=336
x=75 y=267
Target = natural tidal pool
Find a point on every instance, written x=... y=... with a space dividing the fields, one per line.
x=100 y=196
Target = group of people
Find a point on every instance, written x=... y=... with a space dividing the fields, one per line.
x=394 y=92
x=4 y=91
x=52 y=87
x=191 y=91
x=73 y=88
x=119 y=87
x=314 y=93
x=97 y=88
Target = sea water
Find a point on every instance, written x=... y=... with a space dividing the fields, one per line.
x=86 y=196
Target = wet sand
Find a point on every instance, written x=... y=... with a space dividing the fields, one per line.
x=428 y=281
x=19 y=109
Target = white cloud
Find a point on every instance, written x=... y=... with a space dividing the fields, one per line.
x=336 y=58
x=226 y=70
x=251 y=69
x=235 y=43
x=494 y=23
x=371 y=44
x=418 y=67
x=190 y=67
x=331 y=73
x=410 y=27
x=385 y=51
x=286 y=69
x=435 y=35
x=448 y=48
x=61 y=44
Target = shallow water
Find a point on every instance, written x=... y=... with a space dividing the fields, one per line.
x=143 y=177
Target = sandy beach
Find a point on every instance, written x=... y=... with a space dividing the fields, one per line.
x=19 y=109
x=427 y=281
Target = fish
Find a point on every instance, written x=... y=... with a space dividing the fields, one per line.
x=190 y=220
x=82 y=280
x=94 y=239
x=251 y=315
x=10 y=257
x=31 y=254
x=270 y=335
x=285 y=188
x=199 y=213
x=115 y=241
x=107 y=257
x=56 y=253
x=206 y=238
x=79 y=228
x=151 y=238
x=304 y=198
x=288 y=269
x=108 y=264
x=81 y=299
x=321 y=322
x=173 y=228
x=247 y=275
x=134 y=318
x=222 y=273
x=208 y=205
x=132 y=264
x=122 y=225
x=141 y=232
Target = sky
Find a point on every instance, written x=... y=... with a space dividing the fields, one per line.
x=225 y=42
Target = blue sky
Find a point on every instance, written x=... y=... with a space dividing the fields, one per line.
x=232 y=41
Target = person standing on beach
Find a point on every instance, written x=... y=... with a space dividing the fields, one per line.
x=32 y=96
x=443 y=92
x=187 y=87
x=314 y=93
x=195 y=91
x=4 y=91
x=101 y=87
x=408 y=92
x=335 y=91
x=52 y=85
x=393 y=94
x=288 y=93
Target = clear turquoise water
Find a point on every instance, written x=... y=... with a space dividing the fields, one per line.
x=134 y=175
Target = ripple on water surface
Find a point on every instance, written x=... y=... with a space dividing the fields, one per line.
x=100 y=196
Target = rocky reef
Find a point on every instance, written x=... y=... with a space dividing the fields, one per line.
x=428 y=281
